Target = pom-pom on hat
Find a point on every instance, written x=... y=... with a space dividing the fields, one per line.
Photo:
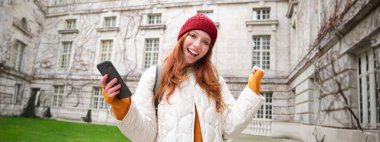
x=200 y=22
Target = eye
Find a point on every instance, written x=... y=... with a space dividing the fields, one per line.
x=207 y=43
x=192 y=35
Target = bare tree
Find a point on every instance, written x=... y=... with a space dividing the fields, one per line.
x=131 y=31
x=79 y=63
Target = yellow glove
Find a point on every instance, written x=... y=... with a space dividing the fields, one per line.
x=119 y=107
x=255 y=78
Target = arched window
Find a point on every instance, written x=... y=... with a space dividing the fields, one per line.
x=24 y=24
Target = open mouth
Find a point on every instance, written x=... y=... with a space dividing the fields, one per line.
x=192 y=52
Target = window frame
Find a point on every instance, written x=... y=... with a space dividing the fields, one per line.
x=58 y=2
x=65 y=55
x=105 y=50
x=17 y=96
x=260 y=50
x=70 y=24
x=154 y=19
x=109 y=21
x=267 y=106
x=258 y=14
x=369 y=111
x=151 y=52
x=98 y=100
x=57 y=95
x=17 y=56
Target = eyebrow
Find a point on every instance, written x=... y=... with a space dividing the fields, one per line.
x=207 y=39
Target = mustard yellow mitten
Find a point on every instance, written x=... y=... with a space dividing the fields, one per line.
x=254 y=81
x=119 y=107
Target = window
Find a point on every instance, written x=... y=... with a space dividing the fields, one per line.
x=265 y=112
x=17 y=55
x=59 y=2
x=154 y=19
x=208 y=13
x=17 y=94
x=24 y=24
x=58 y=95
x=261 y=14
x=65 y=55
x=110 y=21
x=368 y=97
x=70 y=24
x=151 y=52
x=261 y=51
x=105 y=50
x=98 y=100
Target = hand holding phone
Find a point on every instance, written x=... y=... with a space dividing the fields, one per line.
x=107 y=67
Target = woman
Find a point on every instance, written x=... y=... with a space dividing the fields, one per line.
x=195 y=102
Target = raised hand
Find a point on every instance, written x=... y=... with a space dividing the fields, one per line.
x=255 y=78
x=119 y=107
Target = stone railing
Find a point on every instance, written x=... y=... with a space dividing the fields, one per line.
x=259 y=127
x=71 y=113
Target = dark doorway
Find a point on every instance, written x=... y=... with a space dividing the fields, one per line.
x=29 y=109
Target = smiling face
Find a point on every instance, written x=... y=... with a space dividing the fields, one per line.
x=196 y=45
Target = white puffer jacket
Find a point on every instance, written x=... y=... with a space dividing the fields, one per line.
x=176 y=118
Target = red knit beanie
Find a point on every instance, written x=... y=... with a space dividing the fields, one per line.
x=200 y=22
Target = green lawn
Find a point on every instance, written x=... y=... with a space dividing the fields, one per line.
x=37 y=130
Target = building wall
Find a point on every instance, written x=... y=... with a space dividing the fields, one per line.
x=13 y=14
x=305 y=104
x=228 y=48
x=324 y=68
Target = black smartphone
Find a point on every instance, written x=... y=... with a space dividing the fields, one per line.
x=107 y=67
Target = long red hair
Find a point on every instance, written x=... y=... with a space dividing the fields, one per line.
x=174 y=72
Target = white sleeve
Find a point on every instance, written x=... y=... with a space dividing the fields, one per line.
x=140 y=123
x=239 y=113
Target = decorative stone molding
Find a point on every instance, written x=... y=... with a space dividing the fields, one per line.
x=19 y=26
x=292 y=4
x=272 y=23
x=261 y=22
x=68 y=31
x=153 y=27
x=108 y=29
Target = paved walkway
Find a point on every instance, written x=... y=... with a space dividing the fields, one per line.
x=252 y=138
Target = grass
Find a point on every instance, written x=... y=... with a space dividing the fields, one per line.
x=17 y=129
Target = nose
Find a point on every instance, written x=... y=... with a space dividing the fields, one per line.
x=197 y=43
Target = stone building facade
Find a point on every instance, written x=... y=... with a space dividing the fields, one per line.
x=333 y=85
x=22 y=23
x=321 y=57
